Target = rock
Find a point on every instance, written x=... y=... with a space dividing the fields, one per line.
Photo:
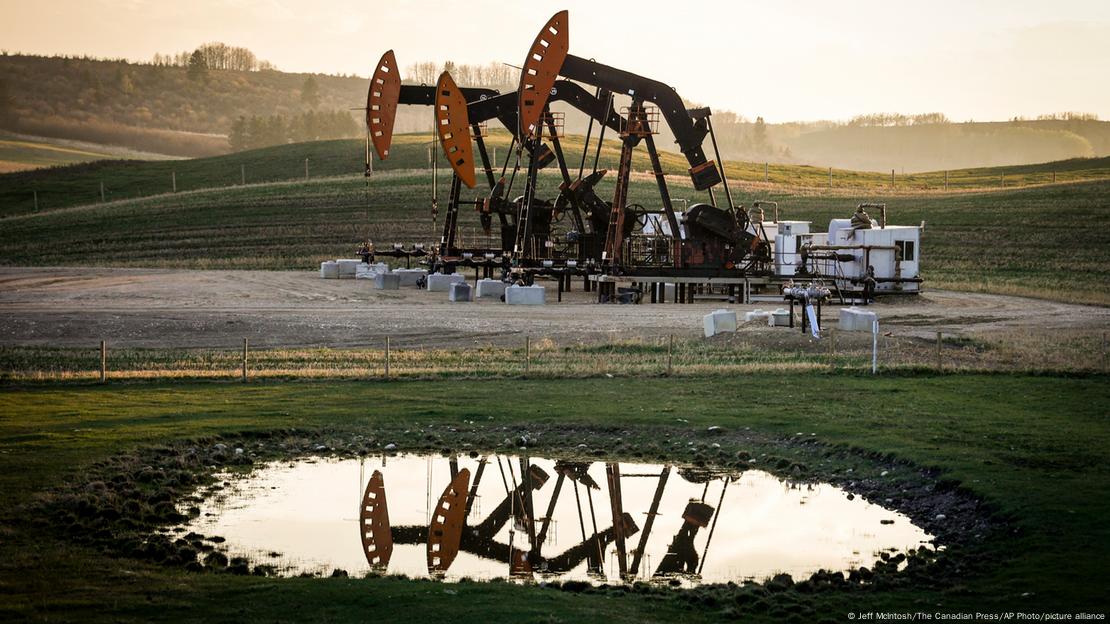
x=320 y=447
x=886 y=522
x=940 y=517
x=851 y=496
x=238 y=451
x=219 y=448
x=884 y=473
x=715 y=430
x=522 y=441
x=390 y=447
x=583 y=446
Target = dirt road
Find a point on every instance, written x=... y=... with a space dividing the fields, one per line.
x=70 y=307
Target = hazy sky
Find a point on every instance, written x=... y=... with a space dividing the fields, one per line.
x=801 y=60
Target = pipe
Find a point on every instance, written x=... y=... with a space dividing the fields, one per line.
x=892 y=280
x=834 y=247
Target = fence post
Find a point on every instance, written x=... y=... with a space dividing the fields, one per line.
x=243 y=175
x=875 y=347
x=766 y=172
x=940 y=364
x=1054 y=177
x=244 y=360
x=946 y=179
x=103 y=361
x=102 y=200
x=36 y=193
x=306 y=170
x=527 y=355
x=891 y=178
x=670 y=355
x=387 y=358
x=173 y=177
x=830 y=177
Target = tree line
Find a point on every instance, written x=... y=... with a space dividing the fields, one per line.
x=490 y=76
x=215 y=55
x=263 y=131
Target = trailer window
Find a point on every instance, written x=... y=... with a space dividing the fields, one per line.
x=907 y=249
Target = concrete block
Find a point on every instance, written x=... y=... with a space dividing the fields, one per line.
x=719 y=322
x=438 y=282
x=387 y=281
x=525 y=295
x=369 y=271
x=409 y=277
x=459 y=292
x=780 y=318
x=490 y=288
x=329 y=269
x=857 y=319
x=348 y=268
x=757 y=315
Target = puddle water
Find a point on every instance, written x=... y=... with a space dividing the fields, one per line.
x=433 y=516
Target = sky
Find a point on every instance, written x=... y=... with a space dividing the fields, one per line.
x=794 y=60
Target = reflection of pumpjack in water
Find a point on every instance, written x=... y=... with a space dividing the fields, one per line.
x=682 y=556
x=448 y=533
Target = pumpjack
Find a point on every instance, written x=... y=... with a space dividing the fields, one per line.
x=602 y=236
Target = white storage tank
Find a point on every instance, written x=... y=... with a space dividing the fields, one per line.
x=894 y=251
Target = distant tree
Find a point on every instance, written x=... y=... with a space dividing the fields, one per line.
x=255 y=131
x=198 y=68
x=310 y=92
x=124 y=82
x=759 y=135
x=1068 y=116
x=238 y=138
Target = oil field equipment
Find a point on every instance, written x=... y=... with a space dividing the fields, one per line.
x=714 y=244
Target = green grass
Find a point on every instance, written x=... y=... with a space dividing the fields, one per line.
x=742 y=353
x=80 y=184
x=19 y=152
x=1020 y=241
x=1034 y=448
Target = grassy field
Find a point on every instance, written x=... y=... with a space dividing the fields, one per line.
x=744 y=353
x=1020 y=241
x=78 y=185
x=19 y=152
x=1033 y=448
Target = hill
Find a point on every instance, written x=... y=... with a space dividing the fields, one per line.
x=21 y=152
x=1016 y=241
x=61 y=187
x=938 y=146
x=152 y=107
x=161 y=109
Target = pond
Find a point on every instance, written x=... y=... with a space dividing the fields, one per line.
x=500 y=516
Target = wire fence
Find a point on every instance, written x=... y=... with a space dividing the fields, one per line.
x=745 y=352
